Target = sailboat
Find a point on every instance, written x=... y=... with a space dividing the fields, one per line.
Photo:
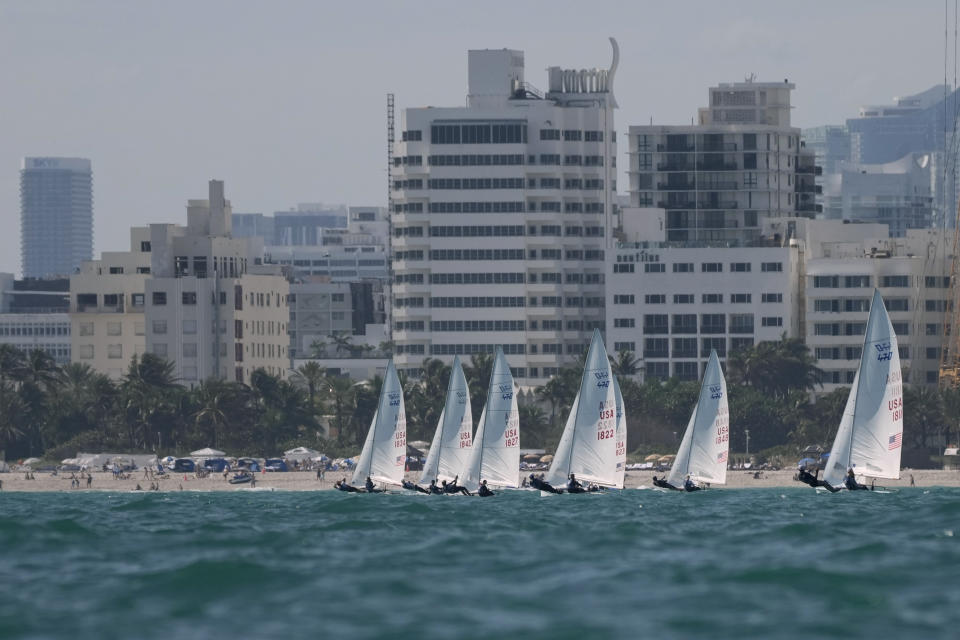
x=870 y=435
x=384 y=453
x=621 y=468
x=451 y=443
x=705 y=445
x=495 y=453
x=588 y=447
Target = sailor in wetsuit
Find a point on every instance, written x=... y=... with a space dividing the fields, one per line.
x=811 y=479
x=690 y=485
x=537 y=482
x=850 y=482
x=453 y=487
x=663 y=484
x=342 y=485
x=574 y=486
x=413 y=487
x=370 y=486
x=484 y=491
x=434 y=488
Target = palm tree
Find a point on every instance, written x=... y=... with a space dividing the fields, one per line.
x=386 y=348
x=554 y=393
x=311 y=376
x=318 y=348
x=625 y=365
x=146 y=392
x=12 y=363
x=342 y=342
x=341 y=393
x=478 y=379
x=213 y=399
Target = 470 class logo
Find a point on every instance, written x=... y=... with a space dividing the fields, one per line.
x=884 y=351
x=394 y=398
x=716 y=391
x=506 y=390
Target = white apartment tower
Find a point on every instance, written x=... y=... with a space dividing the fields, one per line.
x=719 y=179
x=210 y=308
x=501 y=218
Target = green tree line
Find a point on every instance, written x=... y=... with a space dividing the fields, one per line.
x=56 y=411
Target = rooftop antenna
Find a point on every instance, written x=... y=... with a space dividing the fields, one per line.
x=750 y=77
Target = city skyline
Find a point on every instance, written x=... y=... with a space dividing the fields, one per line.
x=289 y=106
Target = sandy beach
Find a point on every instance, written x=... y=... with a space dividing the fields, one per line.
x=307 y=481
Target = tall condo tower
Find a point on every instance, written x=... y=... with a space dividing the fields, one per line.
x=56 y=215
x=501 y=215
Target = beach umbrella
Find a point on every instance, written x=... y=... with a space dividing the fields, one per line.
x=546 y=458
x=531 y=457
x=668 y=458
x=653 y=457
x=207 y=453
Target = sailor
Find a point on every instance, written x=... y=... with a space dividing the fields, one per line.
x=850 y=482
x=484 y=491
x=453 y=487
x=434 y=489
x=574 y=486
x=690 y=485
x=537 y=482
x=811 y=479
x=343 y=486
x=369 y=485
x=413 y=487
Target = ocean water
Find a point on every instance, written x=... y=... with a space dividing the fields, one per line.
x=770 y=563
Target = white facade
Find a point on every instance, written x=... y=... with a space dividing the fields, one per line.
x=49 y=332
x=501 y=216
x=107 y=307
x=210 y=309
x=720 y=179
x=670 y=306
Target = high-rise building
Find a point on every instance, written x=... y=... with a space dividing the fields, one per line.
x=720 y=179
x=56 y=216
x=211 y=308
x=501 y=217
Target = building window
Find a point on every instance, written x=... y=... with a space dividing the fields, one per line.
x=771 y=297
x=159 y=298
x=85 y=352
x=189 y=297
x=189 y=326
x=655 y=324
x=826 y=282
x=657 y=370
x=139 y=329
x=897 y=304
x=625 y=346
x=741 y=323
x=895 y=281
x=684 y=323
x=114 y=351
x=740 y=267
x=770 y=267
x=856 y=282
x=713 y=323
x=623 y=299
x=740 y=298
x=656 y=348
x=771 y=321
x=684 y=347
x=712 y=298
x=86 y=329
x=654 y=267
x=714 y=344
x=683 y=267
x=136 y=300
x=189 y=349
x=655 y=298
x=160 y=349
x=114 y=328
x=711 y=267
x=624 y=323
x=159 y=326
x=685 y=371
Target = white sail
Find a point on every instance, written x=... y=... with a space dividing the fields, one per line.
x=384 y=453
x=495 y=454
x=870 y=437
x=704 y=449
x=621 y=469
x=450 y=447
x=588 y=446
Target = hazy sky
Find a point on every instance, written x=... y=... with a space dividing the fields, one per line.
x=286 y=100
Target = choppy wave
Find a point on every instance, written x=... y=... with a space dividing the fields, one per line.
x=769 y=563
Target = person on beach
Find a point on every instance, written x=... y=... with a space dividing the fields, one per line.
x=912 y=483
x=538 y=482
x=850 y=482
x=689 y=485
x=484 y=491
x=89 y=481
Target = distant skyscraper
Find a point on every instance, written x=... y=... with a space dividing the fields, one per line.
x=56 y=215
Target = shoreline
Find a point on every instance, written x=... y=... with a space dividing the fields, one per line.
x=15 y=482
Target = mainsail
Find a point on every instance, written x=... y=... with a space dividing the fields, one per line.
x=703 y=450
x=588 y=446
x=385 y=450
x=621 y=435
x=495 y=454
x=870 y=435
x=451 y=441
